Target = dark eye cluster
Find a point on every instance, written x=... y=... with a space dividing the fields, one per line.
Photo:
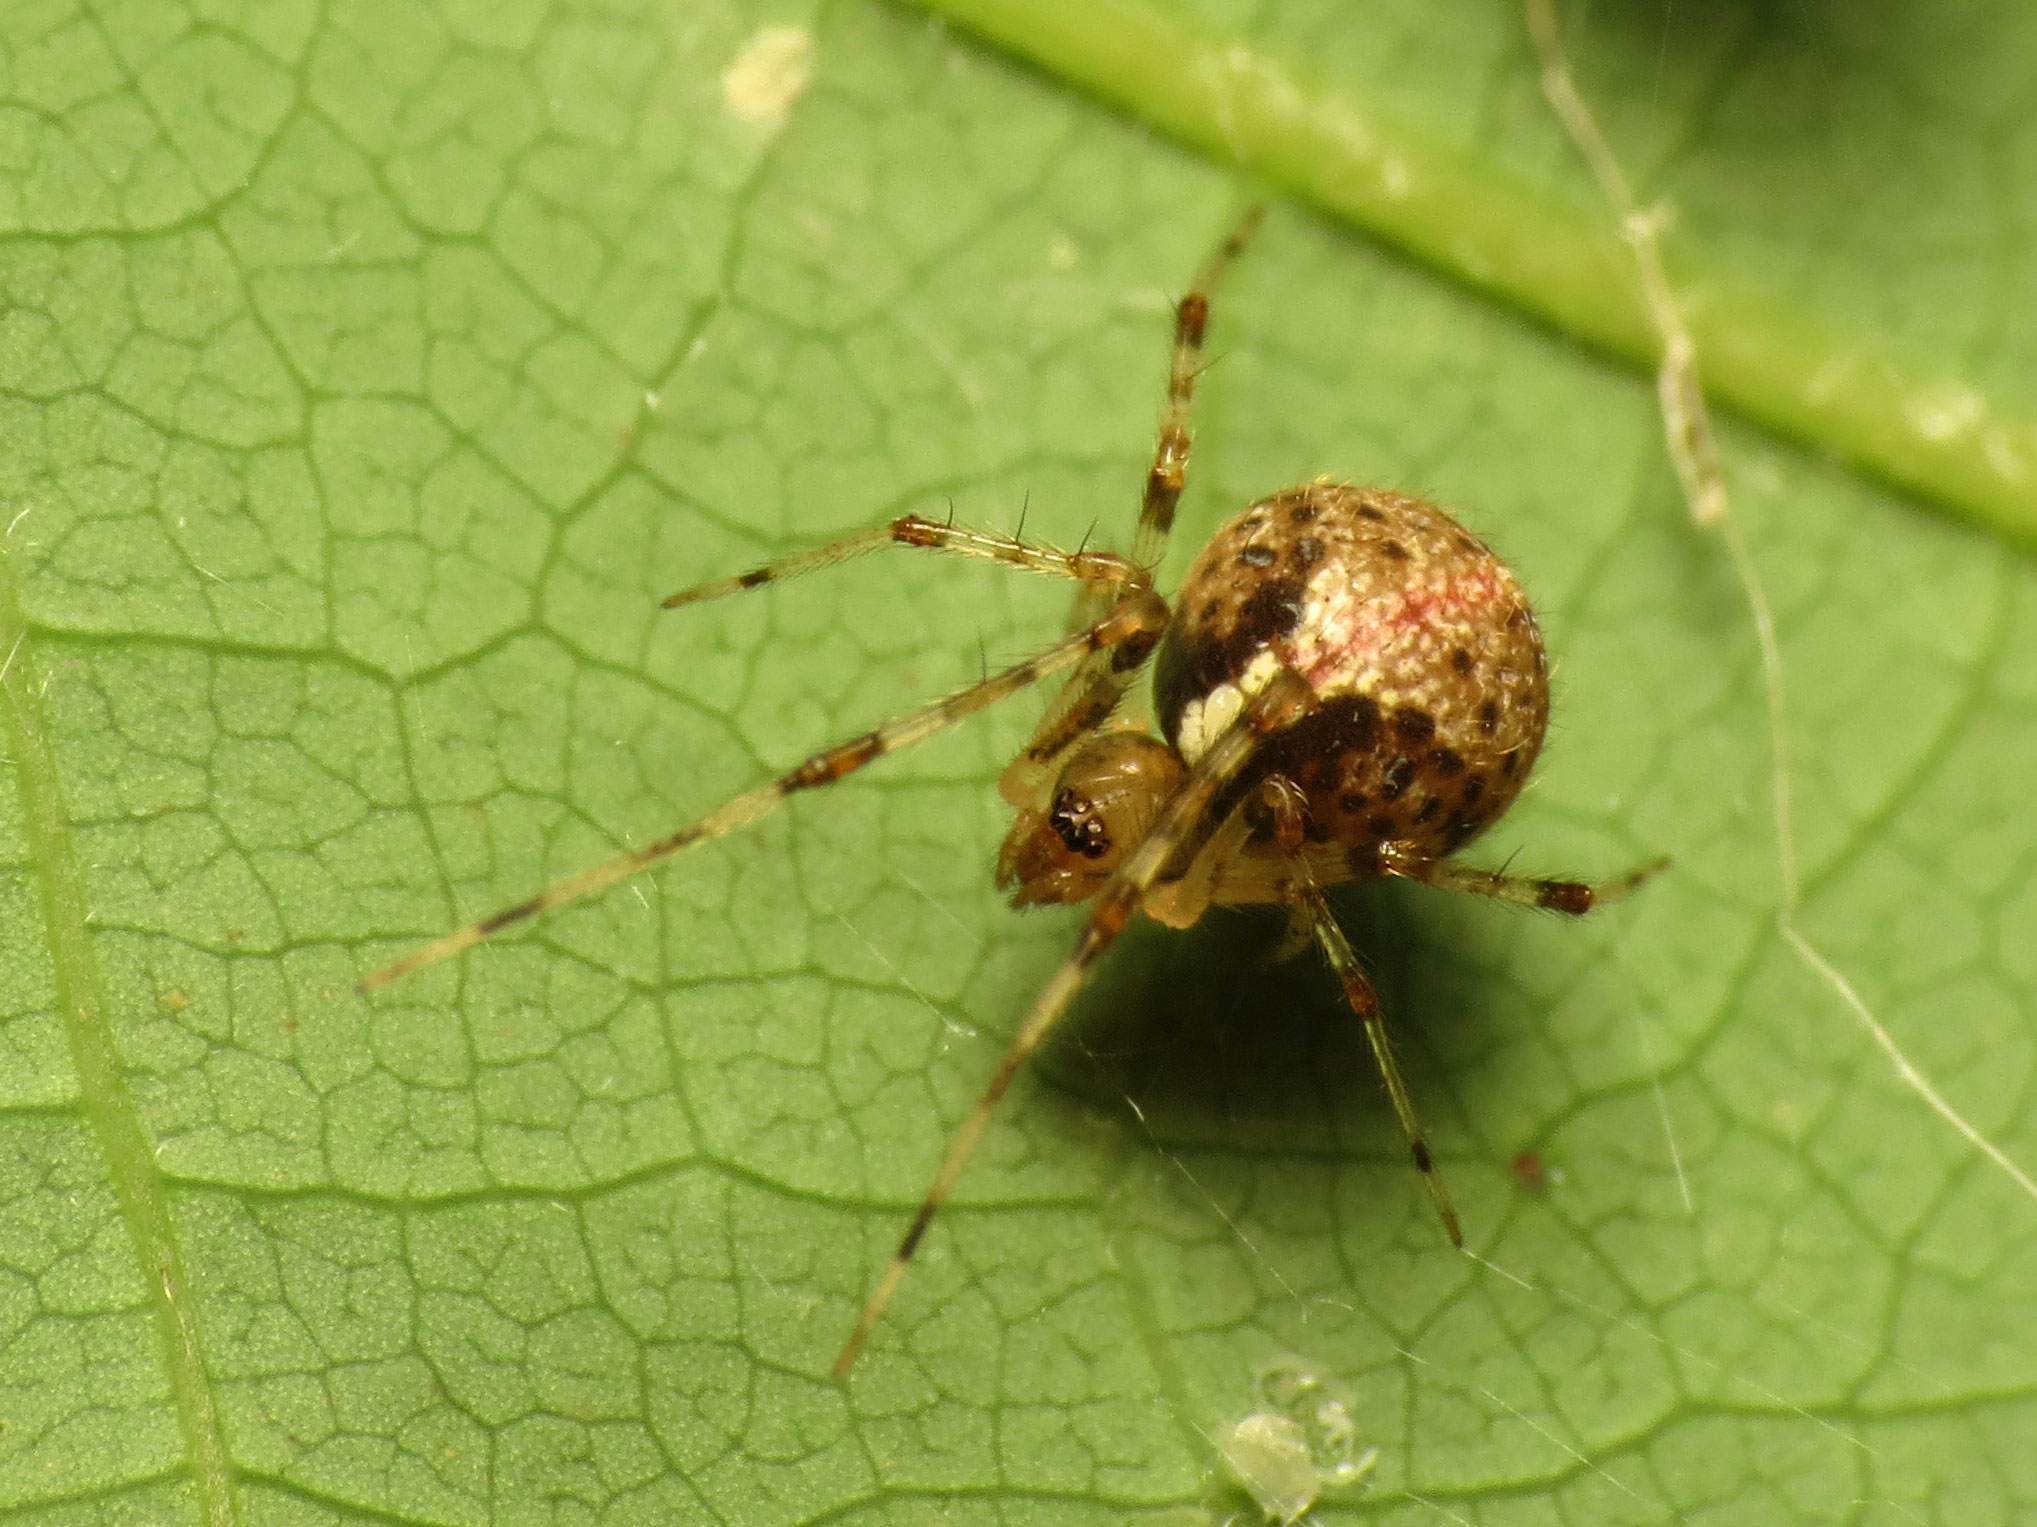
x=1079 y=825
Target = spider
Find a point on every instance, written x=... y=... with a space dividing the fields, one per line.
x=1348 y=685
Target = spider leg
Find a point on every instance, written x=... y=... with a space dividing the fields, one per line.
x=1085 y=702
x=1170 y=460
x=1181 y=902
x=1186 y=816
x=1137 y=620
x=1575 y=897
x=1092 y=693
x=1311 y=908
x=1103 y=573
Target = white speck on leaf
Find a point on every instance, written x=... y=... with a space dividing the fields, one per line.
x=1303 y=1443
x=1269 y=1454
x=771 y=72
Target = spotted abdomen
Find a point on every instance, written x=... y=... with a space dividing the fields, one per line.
x=1431 y=679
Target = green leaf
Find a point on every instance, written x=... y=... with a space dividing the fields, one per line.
x=368 y=373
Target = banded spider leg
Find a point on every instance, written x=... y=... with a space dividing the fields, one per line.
x=1134 y=621
x=1093 y=693
x=1174 y=836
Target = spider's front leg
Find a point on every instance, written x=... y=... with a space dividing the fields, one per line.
x=1135 y=621
x=1091 y=695
x=1177 y=831
x=1169 y=472
x=1105 y=577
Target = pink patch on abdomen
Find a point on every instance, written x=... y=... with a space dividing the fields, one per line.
x=1374 y=633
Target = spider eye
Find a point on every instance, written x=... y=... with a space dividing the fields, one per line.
x=1081 y=827
x=1108 y=795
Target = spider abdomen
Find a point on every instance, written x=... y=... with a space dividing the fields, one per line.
x=1431 y=680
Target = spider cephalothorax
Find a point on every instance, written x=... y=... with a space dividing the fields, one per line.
x=1349 y=684
x=1101 y=805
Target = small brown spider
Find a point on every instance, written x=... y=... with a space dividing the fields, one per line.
x=1348 y=685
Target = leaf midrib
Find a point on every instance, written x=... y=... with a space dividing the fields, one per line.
x=1908 y=424
x=103 y=1096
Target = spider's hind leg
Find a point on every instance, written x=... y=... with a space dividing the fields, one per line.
x=1576 y=897
x=1312 y=909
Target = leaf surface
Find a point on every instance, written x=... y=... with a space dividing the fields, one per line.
x=369 y=372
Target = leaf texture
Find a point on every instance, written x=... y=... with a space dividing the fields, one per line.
x=369 y=371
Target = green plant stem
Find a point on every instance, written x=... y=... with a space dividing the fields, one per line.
x=1935 y=437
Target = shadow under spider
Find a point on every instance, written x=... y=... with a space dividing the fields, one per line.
x=1218 y=1045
